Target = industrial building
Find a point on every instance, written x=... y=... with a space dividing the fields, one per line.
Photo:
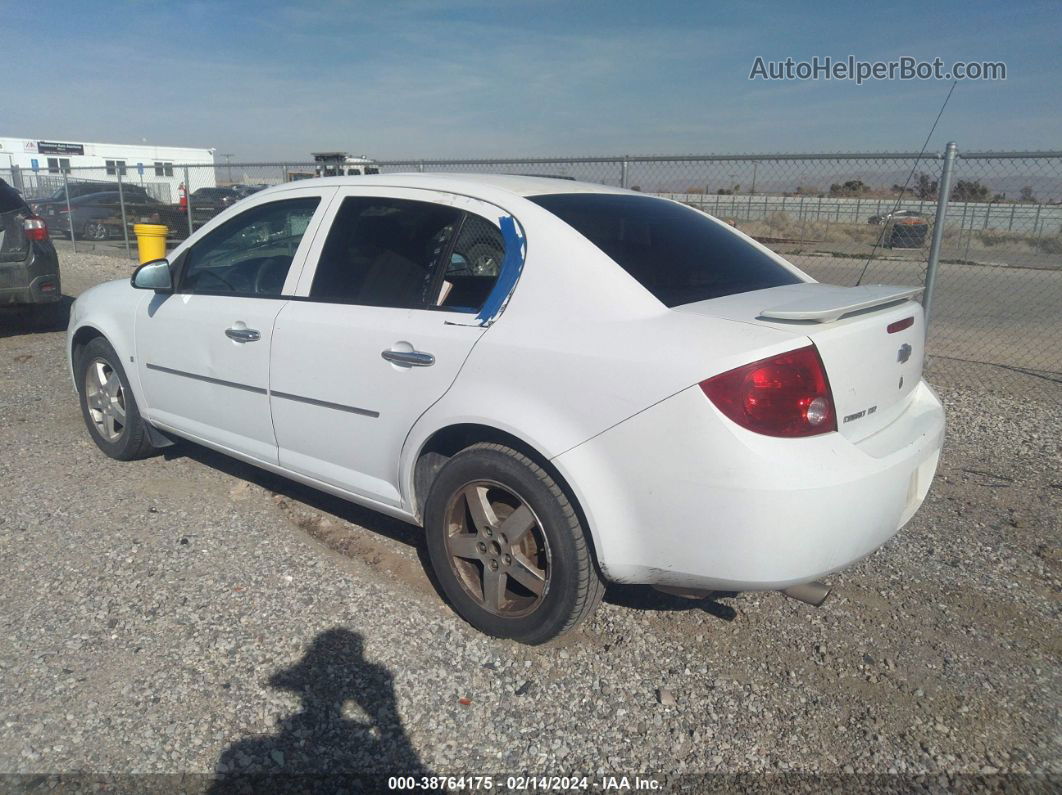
x=36 y=166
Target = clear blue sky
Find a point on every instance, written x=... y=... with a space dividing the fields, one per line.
x=471 y=78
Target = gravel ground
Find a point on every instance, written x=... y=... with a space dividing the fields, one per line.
x=189 y=613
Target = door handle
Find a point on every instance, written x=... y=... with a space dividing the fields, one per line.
x=243 y=334
x=408 y=358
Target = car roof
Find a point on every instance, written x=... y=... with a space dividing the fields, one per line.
x=516 y=184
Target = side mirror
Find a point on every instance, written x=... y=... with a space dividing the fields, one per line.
x=154 y=275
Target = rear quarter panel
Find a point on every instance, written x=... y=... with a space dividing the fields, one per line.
x=579 y=348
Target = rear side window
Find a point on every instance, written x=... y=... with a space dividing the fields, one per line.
x=674 y=252
x=385 y=252
x=473 y=266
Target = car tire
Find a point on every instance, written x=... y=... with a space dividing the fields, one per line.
x=94 y=230
x=483 y=260
x=107 y=404
x=507 y=546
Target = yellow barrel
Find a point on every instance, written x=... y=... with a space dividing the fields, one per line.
x=150 y=241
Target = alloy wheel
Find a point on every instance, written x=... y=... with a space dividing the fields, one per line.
x=497 y=548
x=105 y=397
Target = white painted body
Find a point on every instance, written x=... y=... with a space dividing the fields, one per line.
x=583 y=365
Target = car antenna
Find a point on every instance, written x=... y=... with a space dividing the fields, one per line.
x=903 y=190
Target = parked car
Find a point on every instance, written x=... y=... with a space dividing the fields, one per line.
x=884 y=218
x=29 y=266
x=98 y=216
x=903 y=228
x=243 y=191
x=564 y=384
x=217 y=199
x=133 y=193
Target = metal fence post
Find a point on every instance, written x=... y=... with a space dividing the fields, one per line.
x=932 y=264
x=69 y=214
x=121 y=203
x=188 y=200
x=625 y=173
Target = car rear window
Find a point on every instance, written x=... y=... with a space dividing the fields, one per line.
x=675 y=252
x=13 y=243
x=10 y=199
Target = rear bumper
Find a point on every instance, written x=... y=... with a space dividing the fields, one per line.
x=42 y=290
x=678 y=495
x=35 y=280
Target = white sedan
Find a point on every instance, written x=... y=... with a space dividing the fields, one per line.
x=565 y=384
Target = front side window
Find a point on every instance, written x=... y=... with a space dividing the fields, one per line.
x=384 y=252
x=251 y=254
x=675 y=252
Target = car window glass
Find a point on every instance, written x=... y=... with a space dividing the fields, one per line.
x=676 y=253
x=383 y=252
x=473 y=267
x=252 y=253
x=13 y=243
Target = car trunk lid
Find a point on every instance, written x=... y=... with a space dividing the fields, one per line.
x=870 y=338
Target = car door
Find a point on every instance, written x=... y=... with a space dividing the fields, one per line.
x=203 y=350
x=384 y=320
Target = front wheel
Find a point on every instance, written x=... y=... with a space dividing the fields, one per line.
x=507 y=546
x=107 y=404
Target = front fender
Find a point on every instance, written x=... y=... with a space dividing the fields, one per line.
x=109 y=309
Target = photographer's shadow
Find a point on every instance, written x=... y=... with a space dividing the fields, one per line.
x=319 y=747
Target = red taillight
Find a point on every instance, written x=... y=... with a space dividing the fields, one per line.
x=900 y=325
x=786 y=395
x=35 y=228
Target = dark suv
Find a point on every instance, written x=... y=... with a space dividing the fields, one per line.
x=29 y=266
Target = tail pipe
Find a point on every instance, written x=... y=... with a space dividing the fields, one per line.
x=814 y=593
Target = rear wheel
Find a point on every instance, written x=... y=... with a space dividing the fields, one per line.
x=107 y=404
x=94 y=230
x=507 y=546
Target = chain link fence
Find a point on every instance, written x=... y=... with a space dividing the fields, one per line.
x=843 y=218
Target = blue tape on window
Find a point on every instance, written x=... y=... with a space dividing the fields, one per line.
x=508 y=273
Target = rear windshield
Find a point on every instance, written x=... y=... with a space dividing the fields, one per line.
x=674 y=252
x=10 y=199
x=13 y=243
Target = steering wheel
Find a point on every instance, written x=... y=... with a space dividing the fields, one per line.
x=209 y=272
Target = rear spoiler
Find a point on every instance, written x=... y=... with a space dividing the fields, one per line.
x=824 y=303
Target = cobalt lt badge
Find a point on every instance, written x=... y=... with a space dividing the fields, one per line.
x=904 y=353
